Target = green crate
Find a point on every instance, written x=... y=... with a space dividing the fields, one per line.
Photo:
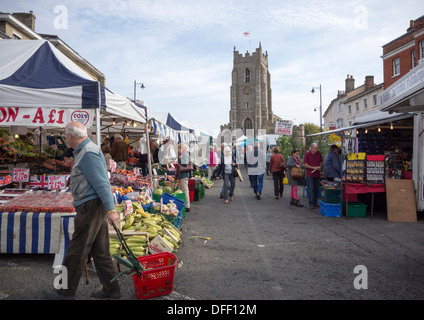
x=156 y=197
x=355 y=209
x=331 y=196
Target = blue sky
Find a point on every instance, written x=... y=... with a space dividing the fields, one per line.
x=182 y=50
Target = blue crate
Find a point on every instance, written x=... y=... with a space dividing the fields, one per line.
x=176 y=221
x=330 y=209
x=319 y=192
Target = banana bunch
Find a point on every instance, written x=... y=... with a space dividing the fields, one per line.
x=136 y=243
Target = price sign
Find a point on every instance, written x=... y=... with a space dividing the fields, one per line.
x=57 y=182
x=128 y=207
x=112 y=165
x=21 y=175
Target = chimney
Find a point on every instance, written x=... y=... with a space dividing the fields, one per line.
x=369 y=82
x=350 y=84
x=27 y=19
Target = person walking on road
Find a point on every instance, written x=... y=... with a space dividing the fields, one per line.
x=313 y=162
x=268 y=161
x=183 y=177
x=256 y=165
x=277 y=171
x=293 y=161
x=213 y=161
x=227 y=169
x=94 y=206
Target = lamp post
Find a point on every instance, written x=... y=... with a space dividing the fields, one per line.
x=135 y=88
x=320 y=105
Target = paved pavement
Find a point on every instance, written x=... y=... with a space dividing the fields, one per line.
x=266 y=250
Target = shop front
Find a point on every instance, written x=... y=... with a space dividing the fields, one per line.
x=407 y=95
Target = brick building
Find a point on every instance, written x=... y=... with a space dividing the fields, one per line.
x=403 y=53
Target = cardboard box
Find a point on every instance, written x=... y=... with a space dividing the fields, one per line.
x=401 y=202
x=158 y=245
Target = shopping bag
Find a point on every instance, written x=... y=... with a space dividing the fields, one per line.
x=239 y=174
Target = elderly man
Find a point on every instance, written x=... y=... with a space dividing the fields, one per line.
x=312 y=163
x=94 y=205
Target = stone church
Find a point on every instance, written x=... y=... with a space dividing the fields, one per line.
x=251 y=94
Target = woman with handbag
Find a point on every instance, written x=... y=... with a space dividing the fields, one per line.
x=277 y=167
x=293 y=180
x=183 y=172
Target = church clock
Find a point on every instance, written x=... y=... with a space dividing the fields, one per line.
x=247 y=90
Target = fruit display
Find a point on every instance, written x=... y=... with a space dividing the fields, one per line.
x=137 y=243
x=127 y=178
x=169 y=209
x=206 y=182
x=11 y=148
x=39 y=201
x=152 y=224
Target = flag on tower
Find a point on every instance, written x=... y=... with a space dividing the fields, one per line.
x=246 y=34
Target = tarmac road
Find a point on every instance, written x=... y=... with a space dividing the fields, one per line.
x=265 y=250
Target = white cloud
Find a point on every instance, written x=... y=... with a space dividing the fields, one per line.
x=182 y=50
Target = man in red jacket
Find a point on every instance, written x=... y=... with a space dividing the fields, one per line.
x=313 y=162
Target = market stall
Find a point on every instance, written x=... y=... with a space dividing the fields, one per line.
x=377 y=147
x=41 y=90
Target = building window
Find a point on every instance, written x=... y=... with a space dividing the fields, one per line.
x=374 y=100
x=413 y=59
x=349 y=109
x=339 y=123
x=421 y=49
x=396 y=67
x=340 y=106
x=247 y=75
x=248 y=124
x=365 y=104
x=356 y=106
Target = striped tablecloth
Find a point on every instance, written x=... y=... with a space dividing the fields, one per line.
x=33 y=233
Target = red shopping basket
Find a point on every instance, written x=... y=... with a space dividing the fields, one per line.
x=158 y=279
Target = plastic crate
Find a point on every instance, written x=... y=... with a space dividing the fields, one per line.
x=332 y=196
x=329 y=209
x=319 y=192
x=158 y=279
x=180 y=196
x=355 y=209
x=176 y=221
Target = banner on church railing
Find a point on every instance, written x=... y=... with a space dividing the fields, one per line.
x=284 y=127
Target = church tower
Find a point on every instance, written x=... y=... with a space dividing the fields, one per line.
x=251 y=95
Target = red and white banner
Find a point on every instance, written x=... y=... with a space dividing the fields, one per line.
x=55 y=117
x=284 y=127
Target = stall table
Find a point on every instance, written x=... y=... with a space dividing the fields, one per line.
x=35 y=233
x=356 y=188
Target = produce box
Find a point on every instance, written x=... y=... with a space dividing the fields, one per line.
x=331 y=196
x=158 y=245
x=355 y=209
x=167 y=198
x=329 y=210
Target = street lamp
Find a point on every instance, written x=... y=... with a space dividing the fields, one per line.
x=135 y=88
x=320 y=105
